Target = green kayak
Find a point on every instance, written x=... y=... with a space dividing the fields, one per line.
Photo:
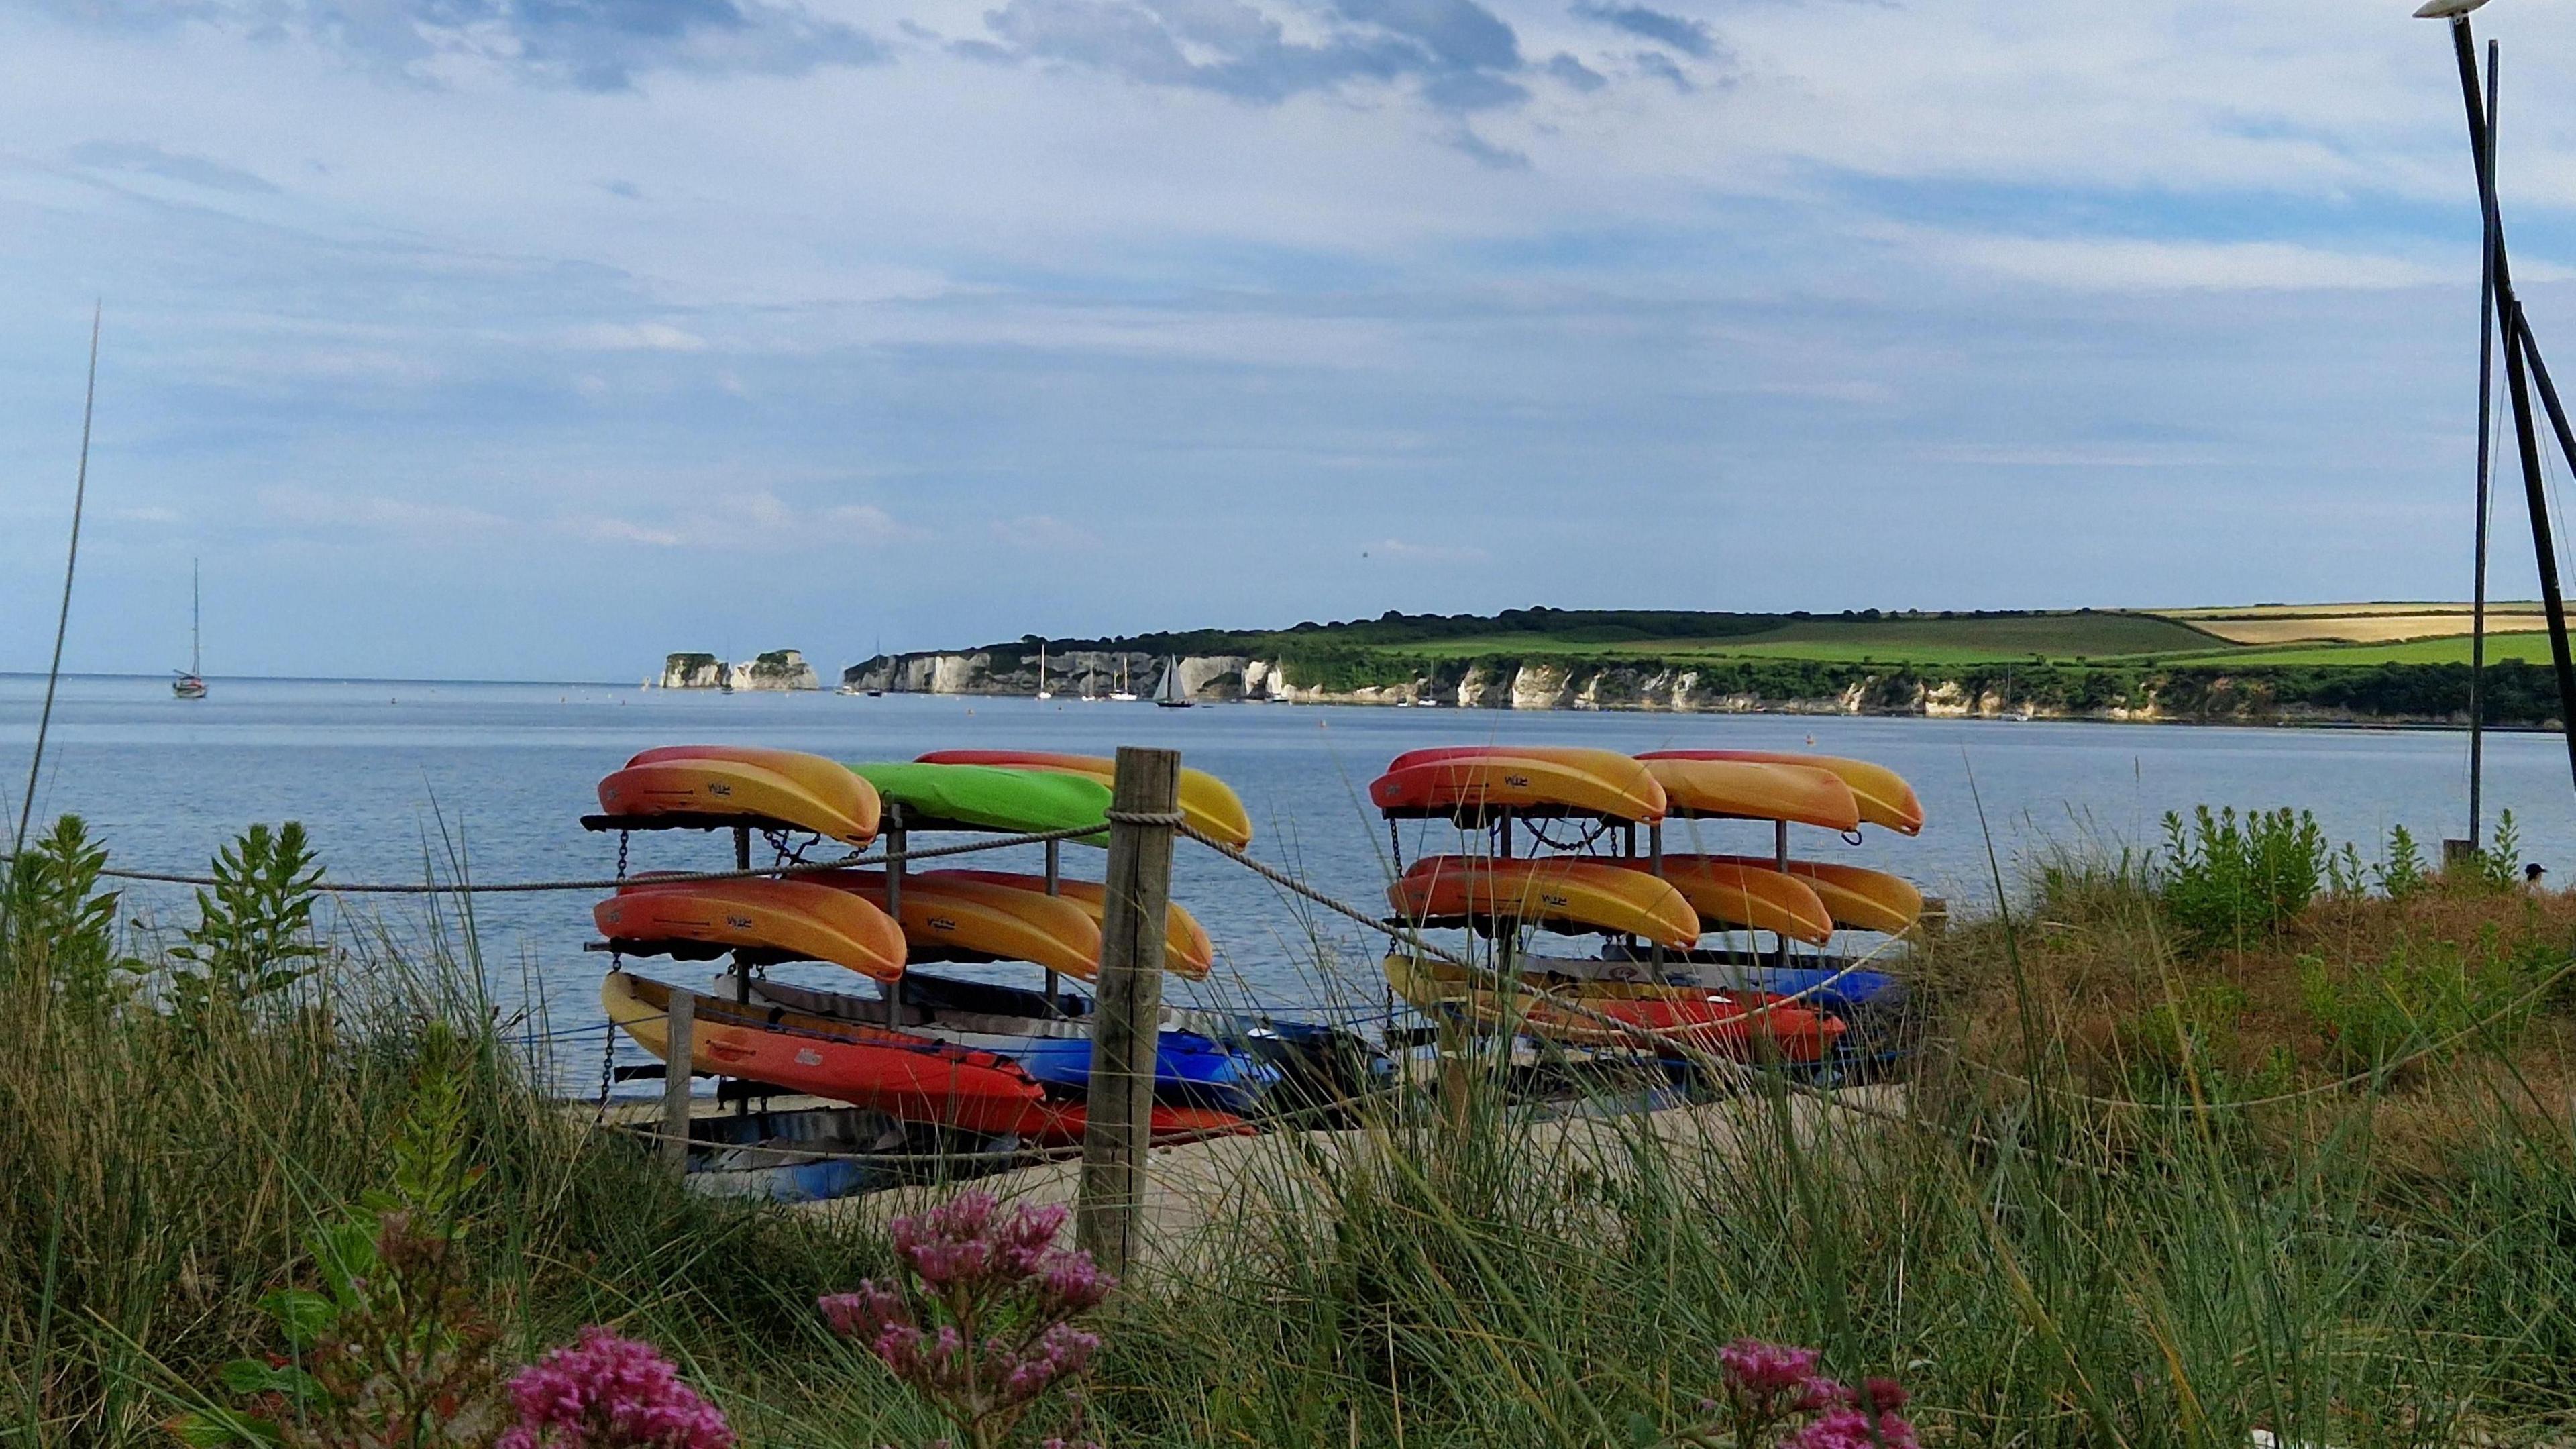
x=986 y=797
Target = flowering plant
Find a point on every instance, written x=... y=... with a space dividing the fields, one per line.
x=986 y=1327
x=607 y=1392
x=1773 y=1389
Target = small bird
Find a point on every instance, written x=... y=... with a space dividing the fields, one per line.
x=2446 y=9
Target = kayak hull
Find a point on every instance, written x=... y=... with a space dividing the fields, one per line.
x=1056 y=1051
x=1726 y=1023
x=1857 y=898
x=952 y=919
x=1556 y=893
x=1187 y=950
x=986 y=797
x=903 y=1076
x=1471 y=784
x=1752 y=790
x=1885 y=799
x=776 y=919
x=1208 y=803
x=687 y=786
x=1728 y=894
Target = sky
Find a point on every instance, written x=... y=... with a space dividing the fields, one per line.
x=539 y=338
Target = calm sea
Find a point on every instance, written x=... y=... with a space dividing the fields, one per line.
x=385 y=774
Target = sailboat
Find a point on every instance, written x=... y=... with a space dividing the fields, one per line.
x=1170 y=695
x=1122 y=693
x=1043 y=691
x=191 y=685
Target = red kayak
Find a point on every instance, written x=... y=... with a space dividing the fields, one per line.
x=911 y=1078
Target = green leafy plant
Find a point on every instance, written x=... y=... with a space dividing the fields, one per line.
x=61 y=927
x=254 y=932
x=393 y=1349
x=2402 y=873
x=2432 y=997
x=2229 y=881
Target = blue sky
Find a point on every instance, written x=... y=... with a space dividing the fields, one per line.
x=534 y=338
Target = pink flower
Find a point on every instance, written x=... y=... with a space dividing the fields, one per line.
x=1851 y=1429
x=1766 y=1369
x=607 y=1392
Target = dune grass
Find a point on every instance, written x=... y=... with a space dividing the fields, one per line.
x=2385 y=1264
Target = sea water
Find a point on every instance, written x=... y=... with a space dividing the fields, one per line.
x=409 y=780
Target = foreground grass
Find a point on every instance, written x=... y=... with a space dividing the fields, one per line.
x=2384 y=1265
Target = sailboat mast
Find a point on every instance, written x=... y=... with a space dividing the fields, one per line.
x=193 y=620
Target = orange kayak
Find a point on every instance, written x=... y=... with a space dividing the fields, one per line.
x=1885 y=799
x=719 y=785
x=790 y=918
x=946 y=918
x=1856 y=898
x=893 y=1072
x=1187 y=950
x=1750 y=790
x=1738 y=1024
x=1206 y=801
x=1573 y=896
x=1470 y=783
x=1738 y=892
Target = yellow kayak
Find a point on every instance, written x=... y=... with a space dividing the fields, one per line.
x=1473 y=781
x=1736 y=892
x=946 y=917
x=1208 y=803
x=1752 y=790
x=719 y=784
x=1560 y=894
x=1885 y=799
x=1857 y=898
x=1187 y=951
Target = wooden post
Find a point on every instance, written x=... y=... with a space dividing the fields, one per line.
x=1126 y=1018
x=682 y=1029
x=1780 y=863
x=741 y=969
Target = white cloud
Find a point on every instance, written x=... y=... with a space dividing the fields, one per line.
x=1047 y=534
x=754 y=521
x=371 y=513
x=2112 y=264
x=635 y=337
x=1396 y=548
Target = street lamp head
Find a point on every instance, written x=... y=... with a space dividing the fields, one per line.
x=2446 y=9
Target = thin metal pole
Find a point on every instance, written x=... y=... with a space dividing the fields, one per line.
x=2517 y=346
x=2486 y=409
x=741 y=968
x=1054 y=887
x=1780 y=862
x=895 y=835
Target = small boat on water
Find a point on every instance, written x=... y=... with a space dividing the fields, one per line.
x=1170 y=694
x=1043 y=691
x=191 y=684
x=1122 y=694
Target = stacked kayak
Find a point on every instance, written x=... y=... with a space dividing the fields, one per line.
x=955 y=1054
x=1651 y=909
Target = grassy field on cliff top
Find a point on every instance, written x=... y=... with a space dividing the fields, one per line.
x=2310 y=635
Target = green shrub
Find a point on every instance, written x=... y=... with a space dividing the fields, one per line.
x=2227 y=882
x=61 y=926
x=2433 y=995
x=254 y=933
